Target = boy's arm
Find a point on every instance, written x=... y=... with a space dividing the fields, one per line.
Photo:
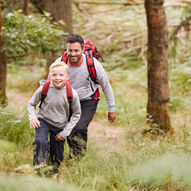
x=32 y=108
x=76 y=113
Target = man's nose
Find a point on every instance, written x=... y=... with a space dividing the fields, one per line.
x=72 y=53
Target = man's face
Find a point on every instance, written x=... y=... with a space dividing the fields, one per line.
x=59 y=76
x=75 y=52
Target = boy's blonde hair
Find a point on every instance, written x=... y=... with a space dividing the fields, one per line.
x=57 y=64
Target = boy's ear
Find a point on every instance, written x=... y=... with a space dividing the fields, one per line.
x=68 y=77
x=49 y=75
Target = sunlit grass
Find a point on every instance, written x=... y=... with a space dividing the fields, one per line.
x=16 y=182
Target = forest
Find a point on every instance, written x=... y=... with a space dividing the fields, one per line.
x=145 y=46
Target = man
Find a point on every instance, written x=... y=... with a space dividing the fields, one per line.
x=87 y=91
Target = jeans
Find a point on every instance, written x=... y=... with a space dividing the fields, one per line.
x=77 y=140
x=41 y=145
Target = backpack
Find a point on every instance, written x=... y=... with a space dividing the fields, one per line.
x=90 y=51
x=89 y=46
x=68 y=92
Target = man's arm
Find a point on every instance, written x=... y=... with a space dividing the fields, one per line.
x=111 y=116
x=107 y=90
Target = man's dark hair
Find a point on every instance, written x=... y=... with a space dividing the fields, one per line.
x=75 y=38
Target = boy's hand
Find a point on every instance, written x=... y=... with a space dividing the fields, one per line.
x=59 y=137
x=35 y=123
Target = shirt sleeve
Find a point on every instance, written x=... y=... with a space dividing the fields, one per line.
x=76 y=113
x=103 y=81
x=33 y=103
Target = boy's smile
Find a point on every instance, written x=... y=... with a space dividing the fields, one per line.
x=59 y=76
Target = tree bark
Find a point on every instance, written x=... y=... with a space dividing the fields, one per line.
x=158 y=88
x=59 y=9
x=26 y=7
x=3 y=68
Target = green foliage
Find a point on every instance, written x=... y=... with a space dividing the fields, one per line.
x=25 y=79
x=15 y=129
x=26 y=34
x=121 y=37
x=180 y=78
x=160 y=171
x=6 y=146
x=30 y=183
x=128 y=86
x=96 y=171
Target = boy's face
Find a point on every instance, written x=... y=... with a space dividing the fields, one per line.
x=75 y=51
x=59 y=76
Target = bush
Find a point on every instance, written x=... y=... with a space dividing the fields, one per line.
x=26 y=34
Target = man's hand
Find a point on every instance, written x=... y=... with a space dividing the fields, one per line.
x=111 y=116
x=35 y=123
x=59 y=137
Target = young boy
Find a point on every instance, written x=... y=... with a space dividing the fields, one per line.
x=53 y=117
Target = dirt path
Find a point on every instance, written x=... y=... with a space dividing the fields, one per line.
x=108 y=136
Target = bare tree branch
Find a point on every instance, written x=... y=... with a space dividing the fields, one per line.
x=108 y=3
x=184 y=24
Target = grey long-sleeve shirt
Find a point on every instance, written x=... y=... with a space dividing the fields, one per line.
x=55 y=109
x=85 y=87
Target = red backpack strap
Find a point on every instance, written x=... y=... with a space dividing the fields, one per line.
x=90 y=65
x=69 y=90
x=64 y=57
x=96 y=94
x=69 y=97
x=44 y=91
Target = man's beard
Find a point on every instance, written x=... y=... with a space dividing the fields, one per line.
x=76 y=59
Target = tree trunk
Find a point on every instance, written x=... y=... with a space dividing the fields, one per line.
x=3 y=67
x=59 y=9
x=158 y=88
x=49 y=60
x=26 y=7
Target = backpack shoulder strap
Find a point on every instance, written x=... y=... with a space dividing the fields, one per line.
x=64 y=57
x=44 y=91
x=91 y=66
x=69 y=97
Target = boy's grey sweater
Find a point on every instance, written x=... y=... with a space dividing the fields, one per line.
x=85 y=87
x=55 y=109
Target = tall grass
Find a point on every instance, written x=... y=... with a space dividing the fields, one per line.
x=31 y=183
x=170 y=169
x=15 y=128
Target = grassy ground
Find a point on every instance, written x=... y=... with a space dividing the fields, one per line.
x=119 y=157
